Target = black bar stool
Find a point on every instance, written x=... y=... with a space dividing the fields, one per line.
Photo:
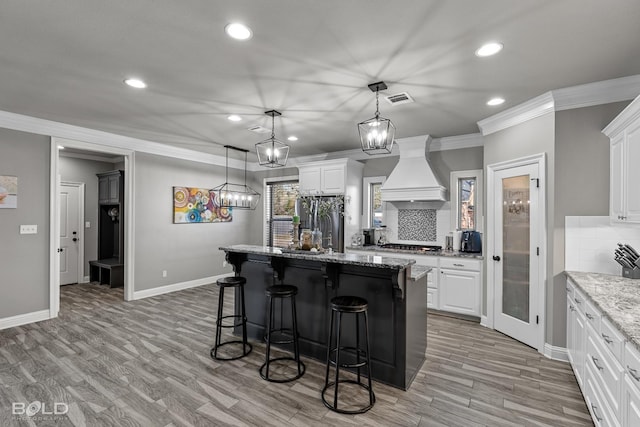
x=281 y=292
x=351 y=305
x=231 y=282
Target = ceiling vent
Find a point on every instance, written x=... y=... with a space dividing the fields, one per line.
x=399 y=98
x=259 y=129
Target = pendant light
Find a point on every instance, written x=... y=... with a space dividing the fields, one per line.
x=377 y=133
x=236 y=196
x=272 y=153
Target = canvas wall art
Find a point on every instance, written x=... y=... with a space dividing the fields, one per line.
x=197 y=205
x=8 y=192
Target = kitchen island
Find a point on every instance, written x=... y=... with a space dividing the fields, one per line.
x=395 y=289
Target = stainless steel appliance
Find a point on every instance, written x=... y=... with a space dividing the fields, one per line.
x=332 y=227
x=375 y=236
x=471 y=242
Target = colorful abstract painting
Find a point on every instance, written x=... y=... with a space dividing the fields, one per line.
x=8 y=192
x=197 y=205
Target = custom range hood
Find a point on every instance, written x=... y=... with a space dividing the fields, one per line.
x=413 y=179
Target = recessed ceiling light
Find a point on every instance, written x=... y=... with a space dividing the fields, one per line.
x=238 y=31
x=136 y=83
x=489 y=49
x=234 y=118
x=495 y=101
x=293 y=138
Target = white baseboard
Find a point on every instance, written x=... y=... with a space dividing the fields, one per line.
x=177 y=286
x=484 y=321
x=556 y=353
x=85 y=279
x=23 y=319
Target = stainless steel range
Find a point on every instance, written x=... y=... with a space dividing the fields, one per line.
x=409 y=247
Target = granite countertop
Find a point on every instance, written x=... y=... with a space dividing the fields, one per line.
x=338 y=258
x=458 y=254
x=617 y=297
x=419 y=271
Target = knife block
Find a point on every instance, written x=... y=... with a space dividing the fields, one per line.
x=631 y=273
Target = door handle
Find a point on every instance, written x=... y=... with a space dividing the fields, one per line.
x=496 y=258
x=75 y=239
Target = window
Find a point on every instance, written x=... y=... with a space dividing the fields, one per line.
x=466 y=199
x=280 y=207
x=373 y=206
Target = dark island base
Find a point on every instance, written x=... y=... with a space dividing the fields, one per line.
x=397 y=317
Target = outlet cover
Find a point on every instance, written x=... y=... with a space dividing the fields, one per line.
x=164 y=273
x=87 y=224
x=28 y=229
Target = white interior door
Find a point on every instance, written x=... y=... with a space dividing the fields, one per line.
x=516 y=259
x=69 y=234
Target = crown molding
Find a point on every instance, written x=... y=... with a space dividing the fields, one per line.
x=598 y=93
x=528 y=110
x=586 y=95
x=100 y=139
x=624 y=119
x=457 y=142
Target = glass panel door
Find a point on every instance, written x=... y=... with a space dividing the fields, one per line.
x=516 y=247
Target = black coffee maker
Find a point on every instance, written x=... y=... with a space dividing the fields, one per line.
x=471 y=242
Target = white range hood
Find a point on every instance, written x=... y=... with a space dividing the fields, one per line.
x=412 y=179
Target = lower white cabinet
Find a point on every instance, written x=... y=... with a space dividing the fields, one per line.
x=606 y=365
x=460 y=291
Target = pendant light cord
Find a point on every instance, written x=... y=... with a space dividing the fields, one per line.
x=377 y=105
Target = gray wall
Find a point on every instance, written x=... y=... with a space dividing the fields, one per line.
x=82 y=170
x=581 y=186
x=24 y=259
x=442 y=162
x=186 y=251
x=531 y=137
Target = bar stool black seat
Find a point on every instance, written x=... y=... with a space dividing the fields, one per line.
x=281 y=292
x=348 y=305
x=238 y=319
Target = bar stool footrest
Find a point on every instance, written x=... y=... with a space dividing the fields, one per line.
x=283 y=380
x=214 y=356
x=349 y=365
x=354 y=411
x=234 y=325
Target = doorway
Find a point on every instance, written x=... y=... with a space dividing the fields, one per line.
x=71 y=246
x=55 y=214
x=516 y=249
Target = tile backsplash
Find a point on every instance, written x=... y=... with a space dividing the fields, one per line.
x=434 y=219
x=417 y=224
x=590 y=242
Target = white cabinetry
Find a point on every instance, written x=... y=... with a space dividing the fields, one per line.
x=329 y=177
x=460 y=286
x=624 y=132
x=453 y=284
x=336 y=177
x=606 y=365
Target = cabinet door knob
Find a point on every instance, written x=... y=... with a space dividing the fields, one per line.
x=595 y=413
x=633 y=373
x=595 y=362
x=589 y=316
x=496 y=258
x=606 y=338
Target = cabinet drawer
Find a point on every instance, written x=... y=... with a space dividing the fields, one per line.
x=612 y=339
x=460 y=263
x=579 y=300
x=606 y=369
x=593 y=316
x=601 y=413
x=632 y=364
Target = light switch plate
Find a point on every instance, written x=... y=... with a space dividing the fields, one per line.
x=87 y=224
x=28 y=229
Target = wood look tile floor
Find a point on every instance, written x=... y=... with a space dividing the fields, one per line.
x=146 y=363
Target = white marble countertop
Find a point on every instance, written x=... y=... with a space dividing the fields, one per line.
x=618 y=298
x=458 y=254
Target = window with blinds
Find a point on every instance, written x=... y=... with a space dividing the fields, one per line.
x=280 y=207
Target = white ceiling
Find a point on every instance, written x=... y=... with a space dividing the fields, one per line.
x=311 y=60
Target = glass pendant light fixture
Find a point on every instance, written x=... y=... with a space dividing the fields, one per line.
x=377 y=133
x=236 y=196
x=272 y=153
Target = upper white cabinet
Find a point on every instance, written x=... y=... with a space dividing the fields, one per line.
x=329 y=177
x=336 y=177
x=624 y=132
